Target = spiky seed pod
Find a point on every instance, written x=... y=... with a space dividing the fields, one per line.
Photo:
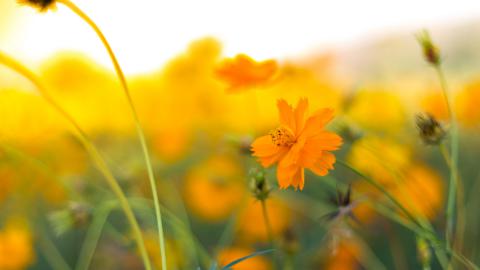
x=344 y=204
x=430 y=130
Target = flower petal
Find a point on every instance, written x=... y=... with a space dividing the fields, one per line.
x=266 y=151
x=298 y=180
x=317 y=122
x=323 y=141
x=285 y=173
x=300 y=114
x=323 y=164
x=286 y=115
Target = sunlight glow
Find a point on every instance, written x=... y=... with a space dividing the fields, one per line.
x=145 y=33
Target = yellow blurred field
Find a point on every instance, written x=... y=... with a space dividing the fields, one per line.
x=339 y=159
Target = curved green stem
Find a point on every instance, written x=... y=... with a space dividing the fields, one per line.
x=95 y=155
x=138 y=127
x=51 y=253
x=93 y=235
x=383 y=190
x=453 y=182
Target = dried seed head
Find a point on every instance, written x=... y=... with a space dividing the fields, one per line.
x=430 y=51
x=41 y=5
x=430 y=130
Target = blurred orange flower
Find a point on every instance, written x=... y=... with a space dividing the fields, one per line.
x=16 y=247
x=214 y=188
x=299 y=143
x=242 y=72
x=345 y=256
x=279 y=214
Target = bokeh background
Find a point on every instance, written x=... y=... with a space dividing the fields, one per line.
x=359 y=57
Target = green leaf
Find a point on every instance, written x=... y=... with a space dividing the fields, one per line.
x=230 y=265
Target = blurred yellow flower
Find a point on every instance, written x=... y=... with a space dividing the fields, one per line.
x=467 y=105
x=214 y=188
x=377 y=110
x=421 y=191
x=27 y=120
x=228 y=255
x=88 y=92
x=300 y=142
x=278 y=214
x=379 y=157
x=16 y=247
x=243 y=72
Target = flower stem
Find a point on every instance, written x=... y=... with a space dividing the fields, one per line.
x=138 y=127
x=453 y=182
x=51 y=253
x=459 y=231
x=97 y=158
x=93 y=235
x=268 y=226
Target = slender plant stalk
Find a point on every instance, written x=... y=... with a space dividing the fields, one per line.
x=461 y=215
x=90 y=148
x=453 y=183
x=93 y=235
x=51 y=253
x=138 y=126
x=268 y=226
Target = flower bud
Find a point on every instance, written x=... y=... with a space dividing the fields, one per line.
x=258 y=184
x=430 y=51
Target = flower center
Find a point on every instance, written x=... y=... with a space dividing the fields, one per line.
x=282 y=136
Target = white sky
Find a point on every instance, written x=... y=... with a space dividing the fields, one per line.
x=145 y=33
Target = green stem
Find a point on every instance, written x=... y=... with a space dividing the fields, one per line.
x=138 y=126
x=452 y=186
x=268 y=226
x=51 y=253
x=91 y=239
x=95 y=155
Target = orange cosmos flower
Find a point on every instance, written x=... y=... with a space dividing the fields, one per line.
x=242 y=72
x=298 y=143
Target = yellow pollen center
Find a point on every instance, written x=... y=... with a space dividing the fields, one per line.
x=282 y=136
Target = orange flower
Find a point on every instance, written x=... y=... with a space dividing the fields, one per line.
x=242 y=72
x=298 y=143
